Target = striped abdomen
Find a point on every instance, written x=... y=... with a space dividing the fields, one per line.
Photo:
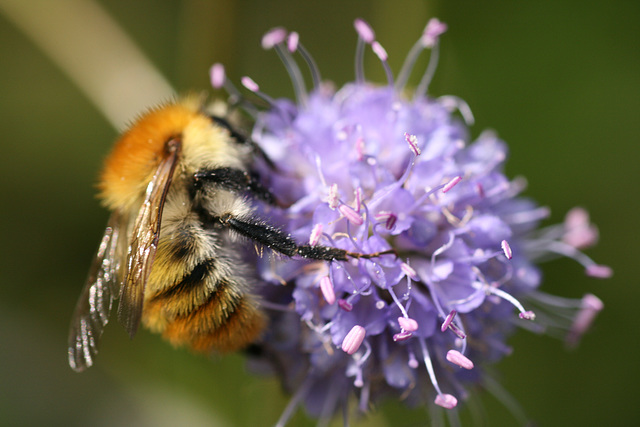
x=198 y=294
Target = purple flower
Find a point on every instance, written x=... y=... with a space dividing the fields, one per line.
x=370 y=168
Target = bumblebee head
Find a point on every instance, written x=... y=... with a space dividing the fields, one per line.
x=137 y=154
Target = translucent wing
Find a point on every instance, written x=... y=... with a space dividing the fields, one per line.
x=94 y=305
x=144 y=240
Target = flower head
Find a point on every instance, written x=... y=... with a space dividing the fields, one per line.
x=368 y=168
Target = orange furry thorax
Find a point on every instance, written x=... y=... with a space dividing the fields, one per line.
x=132 y=162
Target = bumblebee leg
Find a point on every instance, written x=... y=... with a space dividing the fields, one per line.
x=276 y=239
x=239 y=181
x=241 y=139
x=224 y=123
x=235 y=180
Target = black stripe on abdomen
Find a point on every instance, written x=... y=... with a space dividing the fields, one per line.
x=195 y=279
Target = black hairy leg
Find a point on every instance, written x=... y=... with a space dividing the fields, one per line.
x=235 y=180
x=239 y=181
x=279 y=241
x=241 y=139
x=223 y=123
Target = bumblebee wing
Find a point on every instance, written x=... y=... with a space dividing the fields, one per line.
x=144 y=240
x=92 y=311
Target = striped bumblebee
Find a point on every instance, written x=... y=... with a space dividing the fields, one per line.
x=179 y=185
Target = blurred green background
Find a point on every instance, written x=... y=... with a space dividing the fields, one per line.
x=559 y=81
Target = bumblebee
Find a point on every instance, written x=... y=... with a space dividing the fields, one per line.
x=179 y=185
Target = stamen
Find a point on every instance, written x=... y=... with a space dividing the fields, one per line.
x=408 y=324
x=353 y=216
x=379 y=195
x=452 y=103
x=319 y=329
x=457 y=358
x=409 y=271
x=449 y=185
x=295 y=74
x=367 y=352
x=353 y=340
x=217 y=76
x=413 y=143
x=526 y=217
x=345 y=305
x=413 y=362
x=327 y=290
x=389 y=219
x=250 y=84
x=591 y=268
x=527 y=315
x=592 y=302
x=219 y=80
x=555 y=301
x=365 y=32
x=365 y=36
x=409 y=62
x=429 y=193
x=507 y=249
x=423 y=86
x=397 y=302
x=358 y=199
x=447 y=401
x=318 y=162
x=457 y=331
x=363 y=405
x=448 y=320
x=579 y=232
x=316 y=232
x=273 y=37
x=358 y=382
x=382 y=55
x=429 y=38
x=599 y=271
x=333 y=199
x=379 y=51
x=590 y=307
x=292 y=41
x=444 y=400
x=432 y=32
x=308 y=59
x=402 y=336
x=491 y=290
x=441 y=249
